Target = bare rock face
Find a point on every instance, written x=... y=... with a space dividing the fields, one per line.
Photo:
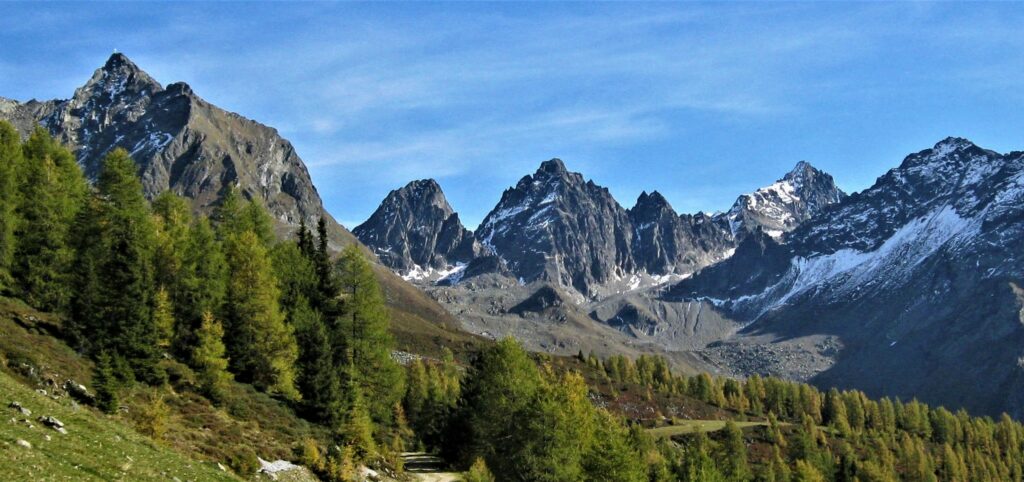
x=555 y=226
x=666 y=243
x=179 y=141
x=416 y=233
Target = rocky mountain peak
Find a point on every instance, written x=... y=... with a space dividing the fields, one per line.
x=651 y=202
x=553 y=166
x=780 y=207
x=180 y=143
x=118 y=77
x=415 y=232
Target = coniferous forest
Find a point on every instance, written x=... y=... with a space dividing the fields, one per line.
x=220 y=311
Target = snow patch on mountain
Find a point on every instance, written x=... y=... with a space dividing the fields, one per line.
x=848 y=271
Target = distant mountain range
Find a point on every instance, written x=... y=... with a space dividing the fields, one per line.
x=554 y=226
x=912 y=287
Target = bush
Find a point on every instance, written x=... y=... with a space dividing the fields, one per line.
x=310 y=455
x=244 y=461
x=152 y=418
x=479 y=472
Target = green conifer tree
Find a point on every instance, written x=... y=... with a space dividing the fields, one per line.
x=51 y=191
x=261 y=345
x=735 y=465
x=209 y=359
x=105 y=384
x=610 y=455
x=10 y=168
x=201 y=286
x=114 y=299
x=163 y=318
x=478 y=472
x=362 y=338
x=316 y=379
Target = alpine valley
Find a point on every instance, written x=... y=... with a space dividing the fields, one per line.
x=172 y=287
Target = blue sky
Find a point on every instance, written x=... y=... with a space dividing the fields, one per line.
x=701 y=102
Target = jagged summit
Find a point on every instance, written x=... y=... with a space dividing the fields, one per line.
x=654 y=200
x=118 y=60
x=552 y=166
x=780 y=207
x=180 y=142
x=918 y=274
x=415 y=232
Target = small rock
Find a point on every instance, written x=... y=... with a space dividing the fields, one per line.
x=78 y=391
x=17 y=406
x=24 y=443
x=222 y=467
x=47 y=437
x=52 y=423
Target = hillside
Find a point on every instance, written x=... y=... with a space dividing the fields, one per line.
x=193 y=436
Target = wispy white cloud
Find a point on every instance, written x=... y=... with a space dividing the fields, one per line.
x=373 y=96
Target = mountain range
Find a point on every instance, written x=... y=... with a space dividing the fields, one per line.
x=556 y=227
x=910 y=288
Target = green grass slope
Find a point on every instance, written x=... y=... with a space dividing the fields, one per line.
x=95 y=447
x=184 y=438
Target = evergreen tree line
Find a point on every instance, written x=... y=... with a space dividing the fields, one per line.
x=835 y=435
x=141 y=281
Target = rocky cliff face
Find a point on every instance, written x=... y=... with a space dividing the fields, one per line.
x=180 y=142
x=416 y=233
x=555 y=226
x=665 y=243
x=918 y=276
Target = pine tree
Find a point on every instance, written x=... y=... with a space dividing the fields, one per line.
x=735 y=453
x=357 y=430
x=115 y=255
x=610 y=456
x=304 y=238
x=257 y=219
x=105 y=384
x=228 y=217
x=552 y=432
x=261 y=345
x=698 y=464
x=208 y=358
x=173 y=220
x=296 y=277
x=10 y=167
x=163 y=319
x=201 y=286
x=805 y=472
x=504 y=385
x=478 y=472
x=362 y=338
x=835 y=412
x=316 y=380
x=51 y=191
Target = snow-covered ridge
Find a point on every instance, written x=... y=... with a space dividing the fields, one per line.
x=849 y=271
